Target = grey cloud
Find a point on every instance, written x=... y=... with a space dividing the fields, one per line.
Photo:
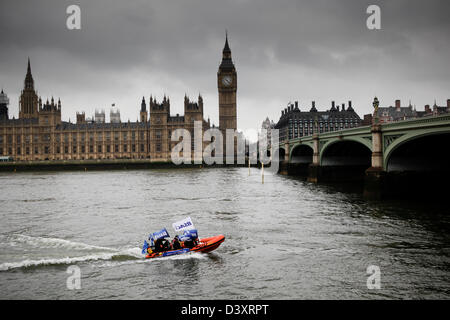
x=283 y=50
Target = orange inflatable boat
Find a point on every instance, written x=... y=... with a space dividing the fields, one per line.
x=203 y=245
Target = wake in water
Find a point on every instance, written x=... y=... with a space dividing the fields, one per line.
x=42 y=242
x=115 y=256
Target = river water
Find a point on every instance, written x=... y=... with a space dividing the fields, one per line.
x=285 y=239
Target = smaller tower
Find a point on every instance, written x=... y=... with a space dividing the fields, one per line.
x=143 y=113
x=99 y=116
x=81 y=118
x=28 y=101
x=49 y=112
x=193 y=111
x=114 y=115
x=4 y=102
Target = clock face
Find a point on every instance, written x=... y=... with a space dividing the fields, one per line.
x=226 y=81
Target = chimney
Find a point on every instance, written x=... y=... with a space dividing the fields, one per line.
x=332 y=105
x=397 y=105
x=313 y=104
x=337 y=108
x=343 y=107
x=296 y=104
x=282 y=112
x=448 y=103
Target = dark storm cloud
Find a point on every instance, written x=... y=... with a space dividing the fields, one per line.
x=283 y=50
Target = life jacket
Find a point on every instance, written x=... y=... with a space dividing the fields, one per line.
x=159 y=245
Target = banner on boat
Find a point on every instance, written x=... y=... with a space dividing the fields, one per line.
x=161 y=234
x=185 y=224
x=145 y=247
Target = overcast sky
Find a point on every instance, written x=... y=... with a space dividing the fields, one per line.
x=283 y=50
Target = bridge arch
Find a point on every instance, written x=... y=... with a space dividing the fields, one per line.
x=301 y=153
x=361 y=146
x=433 y=142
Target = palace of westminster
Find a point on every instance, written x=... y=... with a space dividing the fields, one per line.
x=40 y=134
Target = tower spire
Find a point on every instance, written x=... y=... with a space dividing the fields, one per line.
x=226 y=48
x=29 y=82
x=227 y=62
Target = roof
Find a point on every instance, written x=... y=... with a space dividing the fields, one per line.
x=328 y=116
x=107 y=125
x=18 y=122
x=395 y=113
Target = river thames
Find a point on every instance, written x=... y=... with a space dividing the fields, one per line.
x=285 y=239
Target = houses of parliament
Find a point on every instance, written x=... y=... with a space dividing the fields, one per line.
x=40 y=134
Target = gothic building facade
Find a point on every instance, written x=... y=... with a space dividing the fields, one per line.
x=40 y=134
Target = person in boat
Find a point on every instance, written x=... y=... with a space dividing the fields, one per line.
x=176 y=243
x=190 y=243
x=191 y=239
x=162 y=245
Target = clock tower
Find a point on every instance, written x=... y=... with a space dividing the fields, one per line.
x=227 y=85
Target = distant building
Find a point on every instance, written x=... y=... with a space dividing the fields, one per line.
x=396 y=113
x=295 y=123
x=268 y=126
x=437 y=110
x=399 y=113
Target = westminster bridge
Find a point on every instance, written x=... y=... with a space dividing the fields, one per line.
x=409 y=155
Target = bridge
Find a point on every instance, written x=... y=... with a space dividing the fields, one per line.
x=371 y=152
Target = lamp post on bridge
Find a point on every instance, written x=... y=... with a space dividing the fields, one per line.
x=375 y=104
x=377 y=151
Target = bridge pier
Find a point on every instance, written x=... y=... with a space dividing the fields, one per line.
x=375 y=176
x=374 y=183
x=314 y=169
x=284 y=168
x=284 y=163
x=286 y=152
x=314 y=173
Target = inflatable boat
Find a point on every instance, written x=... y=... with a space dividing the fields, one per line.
x=203 y=245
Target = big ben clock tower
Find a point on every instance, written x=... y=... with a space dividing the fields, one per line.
x=227 y=85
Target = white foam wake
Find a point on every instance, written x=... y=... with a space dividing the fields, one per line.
x=56 y=243
x=67 y=260
x=184 y=256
